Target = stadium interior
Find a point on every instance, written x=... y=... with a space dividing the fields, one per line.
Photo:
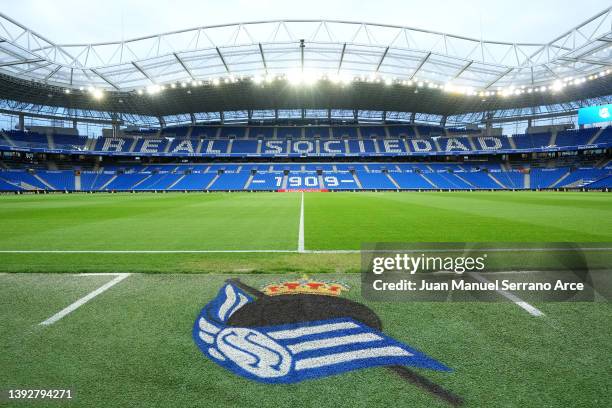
x=305 y=213
x=308 y=114
x=273 y=158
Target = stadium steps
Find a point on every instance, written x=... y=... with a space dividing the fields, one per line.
x=600 y=164
x=376 y=146
x=248 y=182
x=7 y=138
x=357 y=181
x=391 y=180
x=471 y=142
x=437 y=144
x=559 y=180
x=176 y=182
x=50 y=140
x=217 y=178
x=199 y=148
x=499 y=183
x=284 y=182
x=77 y=182
x=428 y=180
x=553 y=138
x=464 y=180
x=103 y=187
x=141 y=181
x=321 y=182
x=37 y=177
x=595 y=136
x=512 y=143
x=90 y=143
x=133 y=146
x=51 y=165
x=21 y=185
x=527 y=181
x=579 y=183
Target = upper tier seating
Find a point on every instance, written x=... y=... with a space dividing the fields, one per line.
x=305 y=141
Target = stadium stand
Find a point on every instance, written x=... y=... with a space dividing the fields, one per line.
x=362 y=141
x=329 y=176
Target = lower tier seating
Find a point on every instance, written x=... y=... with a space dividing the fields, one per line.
x=330 y=176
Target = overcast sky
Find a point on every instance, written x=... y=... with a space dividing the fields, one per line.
x=82 y=21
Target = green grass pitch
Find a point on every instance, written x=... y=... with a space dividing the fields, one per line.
x=270 y=221
x=132 y=346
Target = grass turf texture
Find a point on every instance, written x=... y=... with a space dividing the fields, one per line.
x=270 y=221
x=132 y=346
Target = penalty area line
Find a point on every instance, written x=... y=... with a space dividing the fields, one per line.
x=532 y=310
x=74 y=306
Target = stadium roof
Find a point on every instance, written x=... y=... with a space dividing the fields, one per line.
x=248 y=65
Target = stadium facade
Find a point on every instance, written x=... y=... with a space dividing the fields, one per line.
x=317 y=105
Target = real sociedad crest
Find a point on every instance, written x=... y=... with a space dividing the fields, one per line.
x=299 y=330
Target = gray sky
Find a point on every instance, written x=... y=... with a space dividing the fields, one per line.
x=82 y=21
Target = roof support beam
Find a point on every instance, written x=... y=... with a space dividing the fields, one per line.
x=341 y=57
x=180 y=61
x=302 y=46
x=551 y=71
x=36 y=68
x=104 y=78
x=143 y=72
x=222 y=59
x=27 y=61
x=382 y=59
x=587 y=61
x=462 y=70
x=516 y=118
x=421 y=63
x=500 y=76
x=263 y=58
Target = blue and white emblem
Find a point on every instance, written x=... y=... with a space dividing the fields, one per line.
x=294 y=352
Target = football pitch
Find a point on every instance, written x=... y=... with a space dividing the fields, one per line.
x=161 y=257
x=261 y=232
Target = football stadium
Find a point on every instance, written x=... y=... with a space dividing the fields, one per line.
x=300 y=210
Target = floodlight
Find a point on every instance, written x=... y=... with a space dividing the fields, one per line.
x=97 y=94
x=153 y=89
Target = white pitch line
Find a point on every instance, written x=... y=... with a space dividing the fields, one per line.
x=517 y=300
x=144 y=251
x=84 y=299
x=301 y=232
x=271 y=251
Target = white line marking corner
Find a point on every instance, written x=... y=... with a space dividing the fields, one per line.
x=74 y=306
x=532 y=310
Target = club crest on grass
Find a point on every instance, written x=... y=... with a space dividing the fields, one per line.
x=297 y=330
